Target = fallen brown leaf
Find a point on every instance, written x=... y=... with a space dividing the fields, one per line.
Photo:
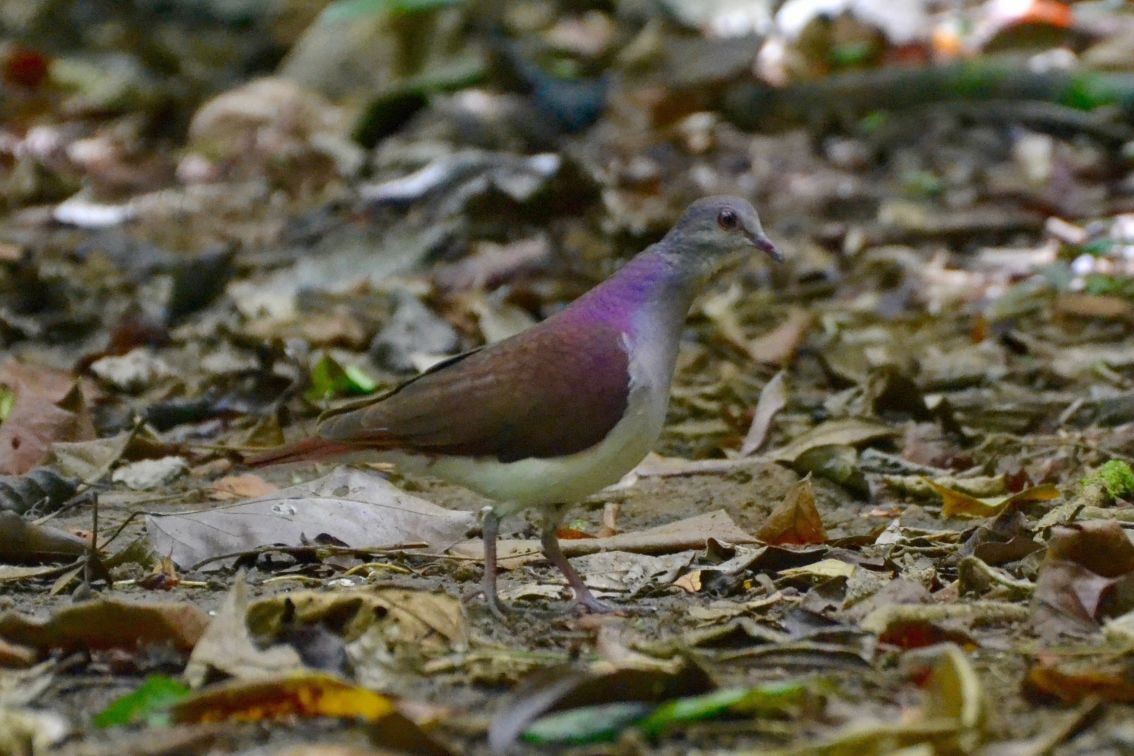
x=1073 y=680
x=795 y=520
x=36 y=422
x=108 y=623
x=960 y=504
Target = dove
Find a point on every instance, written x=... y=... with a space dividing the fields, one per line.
x=561 y=410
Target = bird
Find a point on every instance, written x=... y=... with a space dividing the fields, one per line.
x=558 y=411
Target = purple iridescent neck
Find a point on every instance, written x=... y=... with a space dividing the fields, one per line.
x=649 y=283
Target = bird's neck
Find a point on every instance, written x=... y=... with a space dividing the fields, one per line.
x=649 y=292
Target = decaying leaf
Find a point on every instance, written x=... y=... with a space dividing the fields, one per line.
x=226 y=648
x=559 y=689
x=1102 y=546
x=108 y=623
x=950 y=718
x=307 y=695
x=626 y=572
x=372 y=632
x=846 y=432
x=1072 y=680
x=23 y=541
x=835 y=462
x=795 y=520
x=824 y=569
x=380 y=628
x=90 y=460
x=36 y=422
x=1087 y=576
x=358 y=509
x=236 y=487
x=960 y=504
x=25 y=730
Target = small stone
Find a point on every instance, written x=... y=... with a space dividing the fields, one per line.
x=132 y=372
x=149 y=474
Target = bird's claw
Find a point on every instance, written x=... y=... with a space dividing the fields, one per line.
x=588 y=601
x=499 y=611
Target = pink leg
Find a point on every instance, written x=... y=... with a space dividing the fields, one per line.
x=490 y=530
x=551 y=549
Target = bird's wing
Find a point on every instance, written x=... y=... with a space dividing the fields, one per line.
x=548 y=392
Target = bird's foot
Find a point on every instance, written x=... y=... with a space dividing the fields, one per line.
x=499 y=610
x=587 y=600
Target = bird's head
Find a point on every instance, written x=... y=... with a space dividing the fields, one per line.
x=713 y=229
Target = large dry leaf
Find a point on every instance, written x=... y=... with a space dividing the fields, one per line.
x=90 y=460
x=846 y=432
x=36 y=422
x=108 y=623
x=1088 y=575
x=358 y=509
x=1072 y=680
x=1102 y=546
x=27 y=542
x=624 y=572
x=956 y=503
x=307 y=696
x=383 y=631
x=1069 y=599
x=48 y=382
x=421 y=622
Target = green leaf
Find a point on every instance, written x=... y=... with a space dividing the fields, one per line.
x=346 y=10
x=1098 y=248
x=774 y=697
x=149 y=703
x=1100 y=283
x=329 y=380
x=586 y=724
x=852 y=53
x=7 y=399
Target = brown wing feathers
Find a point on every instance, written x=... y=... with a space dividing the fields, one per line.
x=554 y=392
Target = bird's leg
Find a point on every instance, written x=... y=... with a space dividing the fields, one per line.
x=489 y=531
x=551 y=549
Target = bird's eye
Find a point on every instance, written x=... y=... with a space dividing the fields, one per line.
x=727 y=219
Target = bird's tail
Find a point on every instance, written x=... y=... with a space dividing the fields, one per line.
x=310 y=449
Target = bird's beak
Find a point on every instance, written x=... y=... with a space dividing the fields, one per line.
x=764 y=244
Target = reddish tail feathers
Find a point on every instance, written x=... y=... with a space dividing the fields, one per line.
x=305 y=450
